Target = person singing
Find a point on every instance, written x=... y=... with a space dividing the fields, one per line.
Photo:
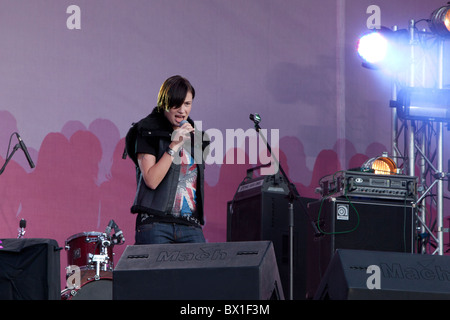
x=168 y=153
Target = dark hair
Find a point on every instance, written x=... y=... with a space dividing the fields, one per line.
x=173 y=92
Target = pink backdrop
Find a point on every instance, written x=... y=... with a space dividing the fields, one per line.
x=73 y=94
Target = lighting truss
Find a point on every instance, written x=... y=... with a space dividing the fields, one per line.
x=420 y=108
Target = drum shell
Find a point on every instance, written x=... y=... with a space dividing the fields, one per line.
x=80 y=245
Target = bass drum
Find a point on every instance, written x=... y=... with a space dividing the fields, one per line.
x=91 y=289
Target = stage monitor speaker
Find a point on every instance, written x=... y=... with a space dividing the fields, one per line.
x=29 y=269
x=374 y=275
x=360 y=224
x=260 y=212
x=198 y=271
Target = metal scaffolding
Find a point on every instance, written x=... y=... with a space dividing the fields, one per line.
x=422 y=154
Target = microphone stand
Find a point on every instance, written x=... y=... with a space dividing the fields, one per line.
x=20 y=145
x=16 y=147
x=292 y=196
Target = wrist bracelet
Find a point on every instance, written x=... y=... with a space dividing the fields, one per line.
x=170 y=151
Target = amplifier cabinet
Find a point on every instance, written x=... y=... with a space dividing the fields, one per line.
x=29 y=269
x=374 y=225
x=260 y=211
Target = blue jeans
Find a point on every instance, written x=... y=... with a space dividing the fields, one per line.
x=159 y=233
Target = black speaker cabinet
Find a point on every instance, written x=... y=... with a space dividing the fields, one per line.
x=198 y=271
x=260 y=211
x=29 y=269
x=374 y=275
x=351 y=223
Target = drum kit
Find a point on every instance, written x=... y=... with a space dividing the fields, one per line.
x=90 y=260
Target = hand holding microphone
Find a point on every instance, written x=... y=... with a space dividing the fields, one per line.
x=182 y=134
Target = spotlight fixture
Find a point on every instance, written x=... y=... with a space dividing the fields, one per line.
x=381 y=48
x=439 y=22
x=380 y=165
x=372 y=47
x=425 y=104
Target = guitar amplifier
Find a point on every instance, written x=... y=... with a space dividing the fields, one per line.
x=357 y=224
x=245 y=219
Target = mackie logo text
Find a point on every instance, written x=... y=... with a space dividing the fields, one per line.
x=432 y=272
x=201 y=255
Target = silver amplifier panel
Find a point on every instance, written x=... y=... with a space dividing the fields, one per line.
x=369 y=185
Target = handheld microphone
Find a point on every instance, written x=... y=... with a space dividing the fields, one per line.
x=25 y=150
x=191 y=134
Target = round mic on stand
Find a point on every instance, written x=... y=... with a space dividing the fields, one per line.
x=22 y=226
x=256 y=118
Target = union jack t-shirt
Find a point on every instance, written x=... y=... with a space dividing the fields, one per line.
x=185 y=203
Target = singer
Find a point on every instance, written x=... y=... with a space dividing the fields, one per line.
x=170 y=180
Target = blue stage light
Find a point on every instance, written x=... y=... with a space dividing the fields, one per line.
x=426 y=104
